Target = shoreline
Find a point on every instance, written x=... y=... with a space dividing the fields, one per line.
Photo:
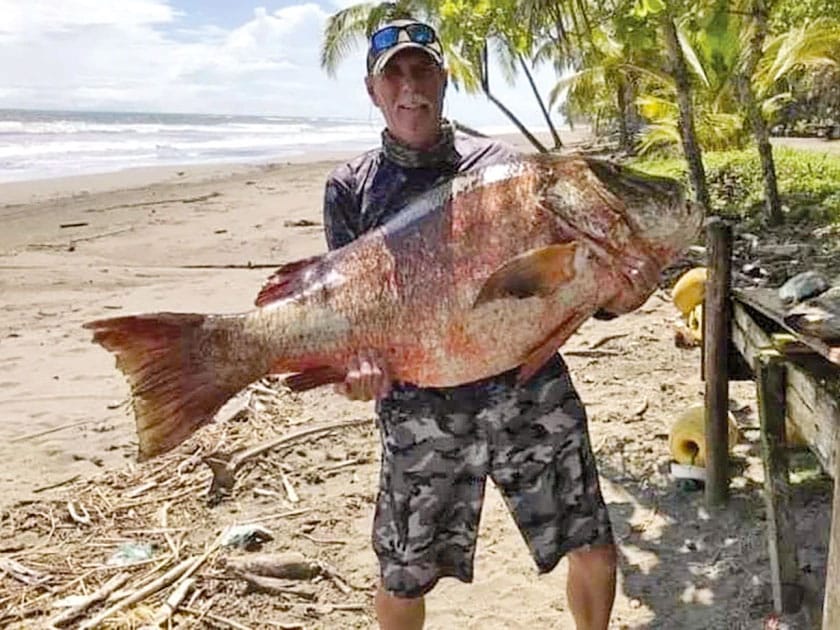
x=33 y=191
x=37 y=190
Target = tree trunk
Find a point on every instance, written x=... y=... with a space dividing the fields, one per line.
x=772 y=203
x=623 y=131
x=485 y=85
x=546 y=115
x=693 y=155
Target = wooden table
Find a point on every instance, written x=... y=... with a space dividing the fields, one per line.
x=800 y=384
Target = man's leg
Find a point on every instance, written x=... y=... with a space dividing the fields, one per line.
x=434 y=467
x=544 y=466
x=590 y=586
x=398 y=613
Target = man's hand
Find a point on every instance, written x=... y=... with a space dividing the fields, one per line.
x=367 y=377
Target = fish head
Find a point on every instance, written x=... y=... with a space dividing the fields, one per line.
x=622 y=208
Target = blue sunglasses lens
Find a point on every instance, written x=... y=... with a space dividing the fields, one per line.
x=420 y=33
x=389 y=36
x=384 y=39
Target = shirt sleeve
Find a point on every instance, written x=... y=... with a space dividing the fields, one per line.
x=340 y=213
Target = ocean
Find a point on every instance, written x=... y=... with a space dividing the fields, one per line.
x=45 y=144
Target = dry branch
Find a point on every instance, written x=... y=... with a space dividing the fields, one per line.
x=225 y=465
x=97 y=596
x=162 y=582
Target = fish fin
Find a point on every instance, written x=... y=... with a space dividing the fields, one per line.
x=538 y=272
x=286 y=281
x=314 y=377
x=174 y=386
x=539 y=355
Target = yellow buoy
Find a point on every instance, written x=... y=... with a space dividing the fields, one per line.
x=690 y=290
x=688 y=436
x=695 y=322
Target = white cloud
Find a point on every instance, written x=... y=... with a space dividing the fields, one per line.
x=132 y=54
x=51 y=16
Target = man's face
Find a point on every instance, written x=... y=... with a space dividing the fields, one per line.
x=409 y=92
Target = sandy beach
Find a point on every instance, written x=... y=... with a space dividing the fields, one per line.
x=204 y=239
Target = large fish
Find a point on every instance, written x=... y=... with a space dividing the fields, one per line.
x=489 y=271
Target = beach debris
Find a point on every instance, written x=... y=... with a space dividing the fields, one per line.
x=247 y=536
x=818 y=316
x=286 y=565
x=639 y=411
x=300 y=223
x=142 y=593
x=78 y=604
x=225 y=465
x=802 y=286
x=289 y=488
x=78 y=513
x=130 y=553
x=273 y=586
x=22 y=573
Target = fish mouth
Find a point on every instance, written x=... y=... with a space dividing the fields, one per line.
x=654 y=207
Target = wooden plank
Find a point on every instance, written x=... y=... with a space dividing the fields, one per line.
x=831 y=602
x=716 y=332
x=770 y=390
x=815 y=415
x=812 y=405
x=768 y=303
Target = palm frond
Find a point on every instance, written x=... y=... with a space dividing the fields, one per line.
x=343 y=32
x=691 y=56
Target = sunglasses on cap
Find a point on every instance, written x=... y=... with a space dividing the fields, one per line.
x=390 y=36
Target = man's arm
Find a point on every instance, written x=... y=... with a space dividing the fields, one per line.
x=341 y=213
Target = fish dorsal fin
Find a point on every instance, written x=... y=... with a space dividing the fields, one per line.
x=538 y=272
x=286 y=281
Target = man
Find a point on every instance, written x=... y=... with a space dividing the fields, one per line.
x=439 y=445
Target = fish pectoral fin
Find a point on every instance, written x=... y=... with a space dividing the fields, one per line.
x=538 y=272
x=314 y=377
x=286 y=281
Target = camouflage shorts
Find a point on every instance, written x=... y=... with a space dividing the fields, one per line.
x=439 y=446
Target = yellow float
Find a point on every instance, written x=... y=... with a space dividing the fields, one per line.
x=690 y=290
x=687 y=436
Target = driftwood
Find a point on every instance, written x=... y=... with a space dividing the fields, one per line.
x=162 y=582
x=225 y=465
x=287 y=566
x=273 y=586
x=173 y=601
x=97 y=596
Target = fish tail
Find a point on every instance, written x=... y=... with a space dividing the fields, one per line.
x=176 y=365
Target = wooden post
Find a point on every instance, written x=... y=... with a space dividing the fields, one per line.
x=715 y=365
x=831 y=603
x=772 y=406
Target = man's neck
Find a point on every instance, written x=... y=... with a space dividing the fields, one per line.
x=440 y=152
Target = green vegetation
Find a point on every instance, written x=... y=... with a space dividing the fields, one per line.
x=809 y=182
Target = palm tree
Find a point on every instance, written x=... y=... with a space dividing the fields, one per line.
x=691 y=148
x=753 y=111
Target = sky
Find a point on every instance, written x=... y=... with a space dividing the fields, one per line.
x=202 y=56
